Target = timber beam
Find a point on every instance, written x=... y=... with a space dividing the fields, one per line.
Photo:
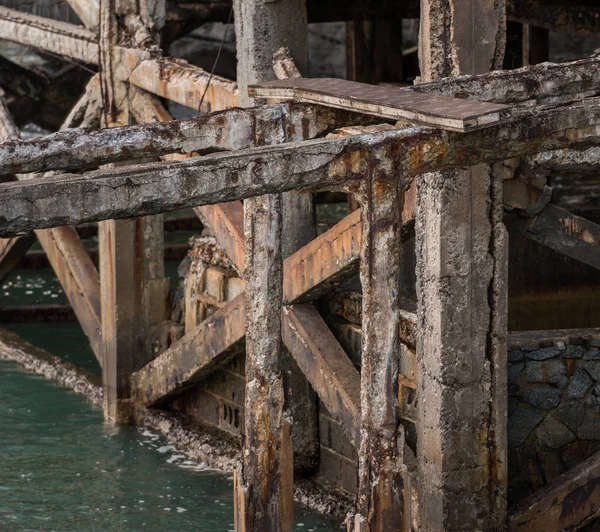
x=178 y=81
x=233 y=129
x=567 y=504
x=61 y=38
x=564 y=232
x=317 y=164
x=325 y=364
x=192 y=357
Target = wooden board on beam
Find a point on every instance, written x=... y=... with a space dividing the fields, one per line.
x=387 y=102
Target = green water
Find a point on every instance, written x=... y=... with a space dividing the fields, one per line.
x=63 y=469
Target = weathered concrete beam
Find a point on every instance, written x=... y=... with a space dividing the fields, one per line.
x=325 y=365
x=567 y=504
x=544 y=83
x=49 y=35
x=564 y=232
x=564 y=17
x=322 y=164
x=264 y=479
x=177 y=80
x=233 y=129
x=192 y=357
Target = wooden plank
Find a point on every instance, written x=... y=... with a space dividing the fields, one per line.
x=330 y=258
x=49 y=35
x=564 y=232
x=568 y=503
x=192 y=357
x=229 y=130
x=320 y=164
x=177 y=80
x=265 y=476
x=387 y=102
x=8 y=129
x=78 y=277
x=88 y=11
x=226 y=221
x=325 y=365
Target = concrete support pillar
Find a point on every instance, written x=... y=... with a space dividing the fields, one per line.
x=263 y=485
x=383 y=500
x=261 y=29
x=462 y=262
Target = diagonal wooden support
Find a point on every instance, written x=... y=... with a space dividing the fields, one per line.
x=12 y=251
x=192 y=357
x=88 y=11
x=325 y=364
x=564 y=232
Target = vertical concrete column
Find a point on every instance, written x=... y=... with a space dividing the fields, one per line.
x=262 y=28
x=132 y=288
x=462 y=293
x=382 y=501
x=264 y=482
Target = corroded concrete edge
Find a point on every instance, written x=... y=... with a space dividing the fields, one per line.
x=40 y=362
x=199 y=443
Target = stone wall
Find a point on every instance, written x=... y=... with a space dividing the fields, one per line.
x=553 y=405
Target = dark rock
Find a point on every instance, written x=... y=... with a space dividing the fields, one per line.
x=545 y=397
x=514 y=370
x=544 y=353
x=592 y=367
x=545 y=371
x=513 y=404
x=579 y=384
x=515 y=356
x=573 y=351
x=529 y=347
x=517 y=490
x=594 y=342
x=553 y=434
x=571 y=413
x=561 y=346
x=589 y=428
x=574 y=453
x=562 y=382
x=521 y=424
x=592 y=354
x=513 y=389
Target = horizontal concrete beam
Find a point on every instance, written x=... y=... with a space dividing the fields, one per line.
x=317 y=164
x=48 y=35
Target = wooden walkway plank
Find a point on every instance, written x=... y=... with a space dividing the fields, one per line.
x=564 y=232
x=68 y=40
x=387 y=102
x=320 y=164
x=325 y=364
x=194 y=356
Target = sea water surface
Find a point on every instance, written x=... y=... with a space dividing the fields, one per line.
x=63 y=469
